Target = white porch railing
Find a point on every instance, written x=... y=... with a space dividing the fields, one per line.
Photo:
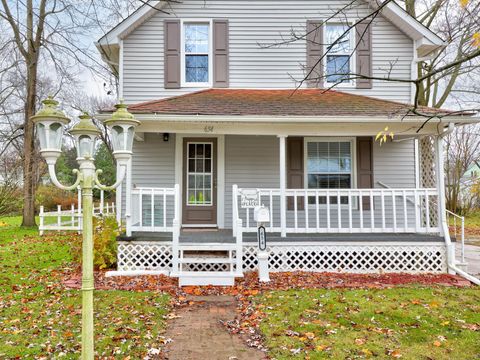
x=456 y=232
x=154 y=209
x=70 y=219
x=360 y=210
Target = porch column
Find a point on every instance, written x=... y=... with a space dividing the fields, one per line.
x=283 y=186
x=128 y=199
x=442 y=216
x=118 y=199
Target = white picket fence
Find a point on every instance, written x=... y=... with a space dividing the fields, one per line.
x=71 y=219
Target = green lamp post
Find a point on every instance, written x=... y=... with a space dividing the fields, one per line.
x=50 y=123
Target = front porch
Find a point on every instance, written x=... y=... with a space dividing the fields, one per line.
x=337 y=199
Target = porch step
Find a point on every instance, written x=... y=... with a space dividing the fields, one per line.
x=207 y=264
x=204 y=278
x=207 y=247
x=206 y=260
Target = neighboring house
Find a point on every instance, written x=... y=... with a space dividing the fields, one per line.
x=468 y=185
x=223 y=130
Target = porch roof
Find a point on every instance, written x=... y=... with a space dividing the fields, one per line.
x=283 y=103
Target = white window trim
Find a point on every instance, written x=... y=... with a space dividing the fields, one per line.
x=182 y=53
x=353 y=150
x=353 y=58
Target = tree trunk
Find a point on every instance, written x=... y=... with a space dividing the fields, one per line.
x=29 y=178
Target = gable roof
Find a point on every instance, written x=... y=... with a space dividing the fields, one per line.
x=278 y=104
x=426 y=41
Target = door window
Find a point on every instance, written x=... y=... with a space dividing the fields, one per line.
x=199 y=174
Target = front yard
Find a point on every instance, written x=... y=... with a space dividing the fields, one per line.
x=39 y=318
x=404 y=322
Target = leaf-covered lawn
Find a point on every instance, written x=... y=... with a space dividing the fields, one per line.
x=407 y=323
x=40 y=318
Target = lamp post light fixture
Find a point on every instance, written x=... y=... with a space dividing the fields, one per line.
x=50 y=123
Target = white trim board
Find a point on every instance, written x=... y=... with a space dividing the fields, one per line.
x=220 y=171
x=292 y=129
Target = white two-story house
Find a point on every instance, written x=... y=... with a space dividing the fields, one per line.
x=228 y=125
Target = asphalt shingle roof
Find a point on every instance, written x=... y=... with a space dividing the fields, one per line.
x=280 y=103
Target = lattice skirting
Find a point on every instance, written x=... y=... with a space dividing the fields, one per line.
x=152 y=256
x=352 y=257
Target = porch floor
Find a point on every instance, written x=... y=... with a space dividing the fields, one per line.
x=226 y=236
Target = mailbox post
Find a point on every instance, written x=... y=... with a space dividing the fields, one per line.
x=261 y=216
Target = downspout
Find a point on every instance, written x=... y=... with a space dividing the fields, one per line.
x=446 y=232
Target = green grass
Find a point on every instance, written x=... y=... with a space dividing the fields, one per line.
x=414 y=322
x=40 y=318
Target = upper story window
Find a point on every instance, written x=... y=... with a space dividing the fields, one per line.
x=339 y=58
x=196 y=57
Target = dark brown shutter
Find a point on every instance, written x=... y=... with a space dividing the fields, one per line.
x=220 y=53
x=171 y=71
x=295 y=169
x=365 y=167
x=314 y=53
x=363 y=33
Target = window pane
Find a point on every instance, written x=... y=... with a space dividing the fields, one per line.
x=208 y=165
x=199 y=183
x=334 y=157
x=338 y=68
x=208 y=150
x=345 y=157
x=199 y=165
x=334 y=33
x=191 y=151
x=196 y=38
x=196 y=68
x=317 y=157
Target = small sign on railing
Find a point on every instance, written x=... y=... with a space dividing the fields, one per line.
x=249 y=198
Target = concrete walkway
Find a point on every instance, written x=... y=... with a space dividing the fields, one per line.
x=472 y=257
x=197 y=333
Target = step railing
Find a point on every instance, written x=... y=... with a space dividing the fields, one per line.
x=344 y=210
x=456 y=231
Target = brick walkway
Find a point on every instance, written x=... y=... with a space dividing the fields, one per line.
x=198 y=334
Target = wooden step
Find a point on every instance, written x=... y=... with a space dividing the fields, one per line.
x=206 y=260
x=207 y=247
x=203 y=278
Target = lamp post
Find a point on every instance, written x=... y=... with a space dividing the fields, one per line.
x=50 y=123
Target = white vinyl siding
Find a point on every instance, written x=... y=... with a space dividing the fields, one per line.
x=261 y=22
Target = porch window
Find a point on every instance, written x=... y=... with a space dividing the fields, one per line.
x=196 y=54
x=329 y=166
x=339 y=57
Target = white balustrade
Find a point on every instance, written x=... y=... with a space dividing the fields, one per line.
x=155 y=209
x=378 y=210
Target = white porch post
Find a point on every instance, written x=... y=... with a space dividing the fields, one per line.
x=283 y=186
x=442 y=216
x=128 y=199
x=118 y=199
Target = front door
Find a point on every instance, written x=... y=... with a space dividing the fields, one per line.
x=199 y=181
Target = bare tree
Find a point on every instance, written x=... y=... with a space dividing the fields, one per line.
x=49 y=39
x=462 y=150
